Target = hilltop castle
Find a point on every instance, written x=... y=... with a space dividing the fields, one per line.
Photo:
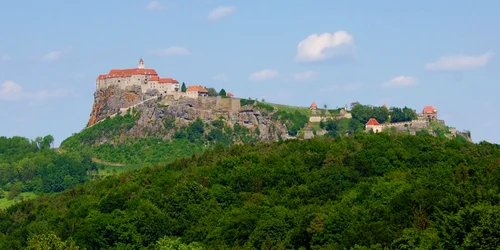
x=148 y=79
x=140 y=76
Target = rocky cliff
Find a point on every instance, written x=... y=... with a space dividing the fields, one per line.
x=109 y=101
x=155 y=109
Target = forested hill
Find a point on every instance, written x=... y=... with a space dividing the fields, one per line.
x=30 y=167
x=366 y=191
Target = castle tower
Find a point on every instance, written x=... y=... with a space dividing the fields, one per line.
x=313 y=106
x=141 y=64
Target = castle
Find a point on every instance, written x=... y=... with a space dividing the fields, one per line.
x=429 y=114
x=424 y=119
x=147 y=79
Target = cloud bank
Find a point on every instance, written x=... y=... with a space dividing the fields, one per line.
x=263 y=75
x=400 y=81
x=460 y=62
x=12 y=91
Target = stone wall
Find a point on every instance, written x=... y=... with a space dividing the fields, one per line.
x=316 y=119
x=419 y=124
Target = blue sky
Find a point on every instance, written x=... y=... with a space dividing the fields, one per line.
x=399 y=53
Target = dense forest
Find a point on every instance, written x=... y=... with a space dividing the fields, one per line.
x=32 y=166
x=366 y=191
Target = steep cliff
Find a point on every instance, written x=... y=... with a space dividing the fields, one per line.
x=156 y=109
x=109 y=101
x=130 y=127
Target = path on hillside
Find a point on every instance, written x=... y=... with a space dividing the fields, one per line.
x=124 y=109
x=107 y=163
x=95 y=160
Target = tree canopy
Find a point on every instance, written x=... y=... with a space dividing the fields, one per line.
x=366 y=191
x=32 y=166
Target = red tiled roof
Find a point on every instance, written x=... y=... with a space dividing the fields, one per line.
x=313 y=105
x=167 y=80
x=130 y=72
x=229 y=94
x=197 y=88
x=154 y=78
x=429 y=110
x=101 y=77
x=372 y=121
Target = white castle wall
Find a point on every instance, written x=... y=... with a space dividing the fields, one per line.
x=139 y=80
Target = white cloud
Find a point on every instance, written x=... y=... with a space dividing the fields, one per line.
x=401 y=81
x=221 y=12
x=9 y=88
x=305 y=76
x=55 y=55
x=5 y=58
x=155 y=5
x=172 y=51
x=343 y=87
x=221 y=77
x=460 y=62
x=319 y=47
x=11 y=91
x=263 y=75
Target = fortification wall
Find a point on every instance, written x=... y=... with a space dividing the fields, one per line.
x=316 y=119
x=399 y=124
x=419 y=124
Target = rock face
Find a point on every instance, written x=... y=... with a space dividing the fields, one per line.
x=109 y=101
x=155 y=109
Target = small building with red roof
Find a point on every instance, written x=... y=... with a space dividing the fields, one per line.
x=229 y=94
x=430 y=113
x=313 y=106
x=374 y=125
x=196 y=91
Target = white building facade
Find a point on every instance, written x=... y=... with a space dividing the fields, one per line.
x=140 y=76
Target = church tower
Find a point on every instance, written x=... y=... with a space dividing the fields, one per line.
x=141 y=64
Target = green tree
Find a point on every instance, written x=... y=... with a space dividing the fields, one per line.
x=50 y=241
x=14 y=192
x=172 y=243
x=402 y=114
x=222 y=93
x=183 y=87
x=212 y=92
x=363 y=113
x=47 y=141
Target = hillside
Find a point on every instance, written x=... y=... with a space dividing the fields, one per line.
x=28 y=168
x=161 y=129
x=367 y=191
x=128 y=125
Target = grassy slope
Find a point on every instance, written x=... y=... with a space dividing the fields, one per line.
x=4 y=202
x=291 y=109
